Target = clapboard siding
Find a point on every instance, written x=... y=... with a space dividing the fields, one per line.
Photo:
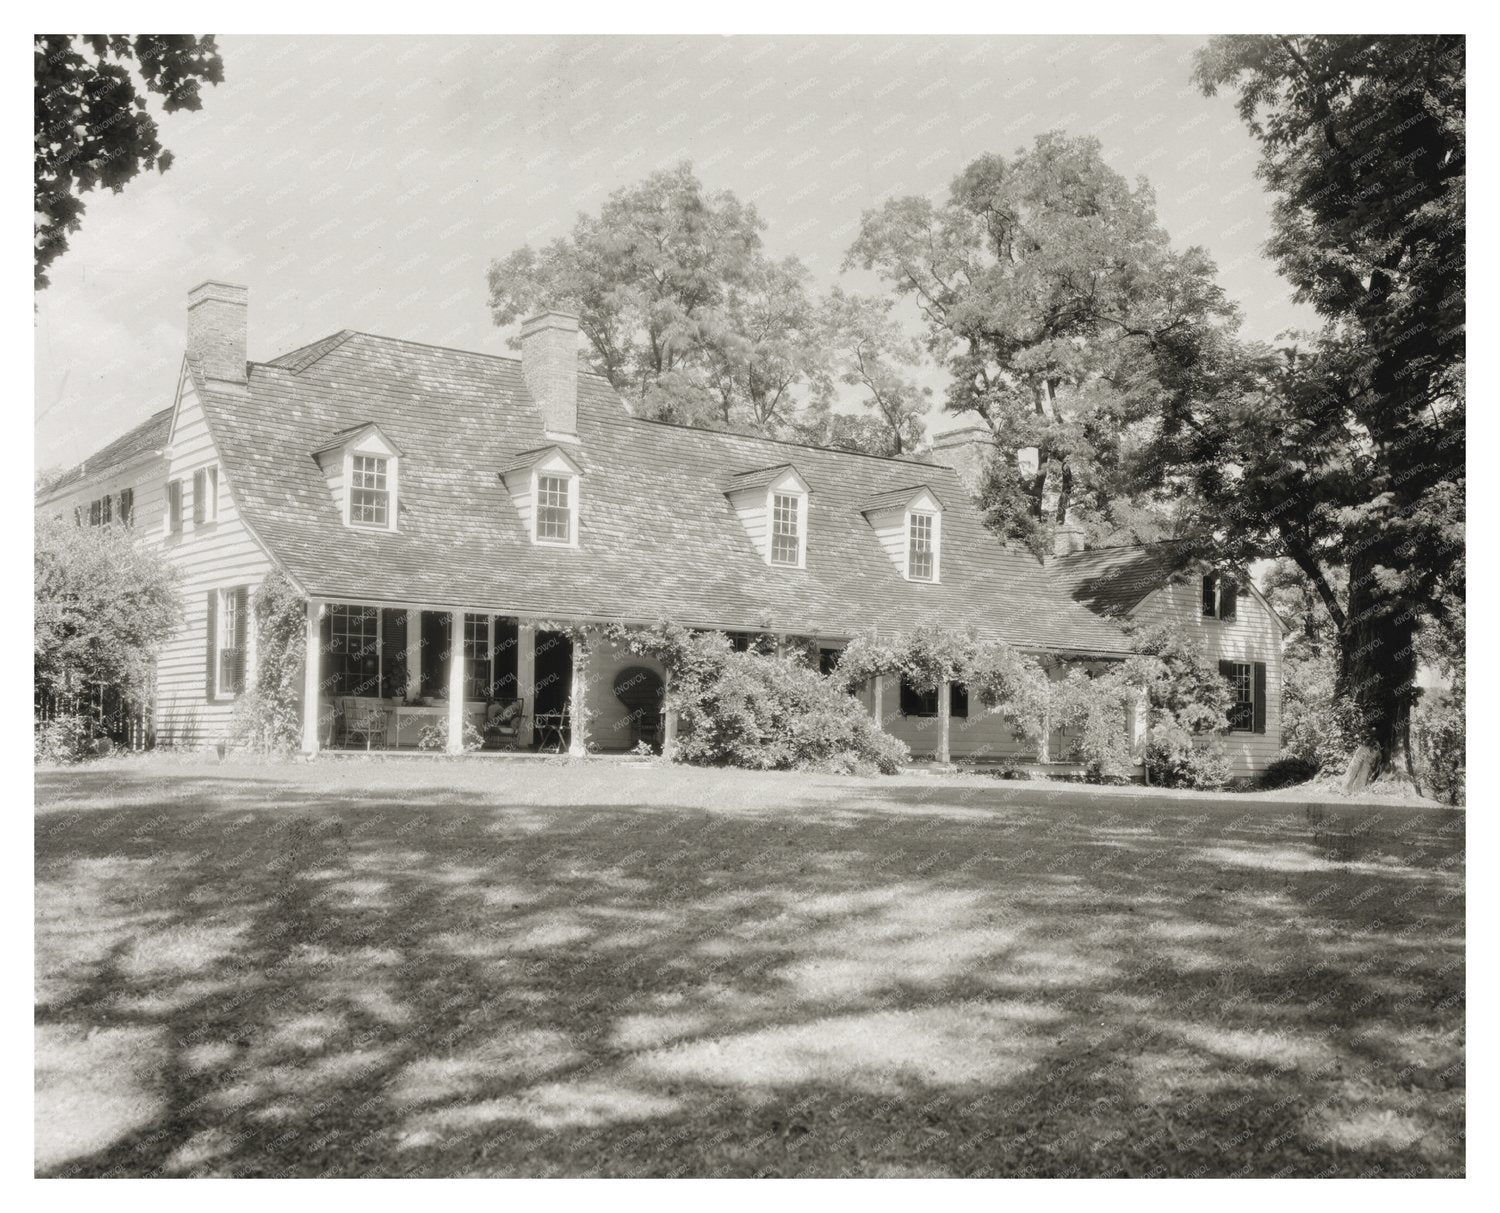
x=1253 y=635
x=147 y=479
x=215 y=555
x=609 y=720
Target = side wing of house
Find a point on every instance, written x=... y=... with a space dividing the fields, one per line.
x=1248 y=650
x=204 y=668
x=135 y=488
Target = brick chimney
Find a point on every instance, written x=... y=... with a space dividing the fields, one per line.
x=966 y=451
x=218 y=322
x=1068 y=538
x=549 y=362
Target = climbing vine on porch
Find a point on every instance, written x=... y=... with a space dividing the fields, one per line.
x=268 y=715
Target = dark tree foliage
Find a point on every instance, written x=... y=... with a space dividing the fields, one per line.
x=93 y=127
x=1069 y=325
x=1347 y=454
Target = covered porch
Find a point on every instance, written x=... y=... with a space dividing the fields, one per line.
x=422 y=677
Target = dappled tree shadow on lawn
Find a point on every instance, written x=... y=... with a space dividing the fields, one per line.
x=261 y=974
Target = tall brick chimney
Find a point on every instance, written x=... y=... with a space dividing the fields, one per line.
x=966 y=451
x=549 y=362
x=1068 y=538
x=218 y=323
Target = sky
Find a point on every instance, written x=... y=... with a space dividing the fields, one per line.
x=367 y=183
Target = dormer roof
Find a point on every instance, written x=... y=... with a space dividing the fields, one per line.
x=524 y=461
x=352 y=434
x=759 y=478
x=898 y=499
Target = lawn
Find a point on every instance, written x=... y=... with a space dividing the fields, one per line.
x=412 y=967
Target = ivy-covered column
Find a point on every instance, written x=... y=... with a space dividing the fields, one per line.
x=944 y=707
x=578 y=744
x=312 y=681
x=669 y=716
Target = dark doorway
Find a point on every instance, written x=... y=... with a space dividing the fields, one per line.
x=436 y=626
x=554 y=671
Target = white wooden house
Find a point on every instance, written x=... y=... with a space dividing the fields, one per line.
x=439 y=508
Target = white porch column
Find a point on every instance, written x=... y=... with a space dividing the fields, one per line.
x=877 y=700
x=1140 y=725
x=456 y=684
x=312 y=679
x=944 y=712
x=577 y=741
x=413 y=655
x=669 y=717
x=526 y=677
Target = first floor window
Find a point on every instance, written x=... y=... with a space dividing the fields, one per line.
x=554 y=516
x=786 y=542
x=369 y=492
x=96 y=512
x=1241 y=676
x=925 y=703
x=828 y=660
x=127 y=507
x=478 y=657
x=228 y=633
x=354 y=650
x=919 y=562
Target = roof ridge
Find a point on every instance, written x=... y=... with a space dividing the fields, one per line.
x=806 y=446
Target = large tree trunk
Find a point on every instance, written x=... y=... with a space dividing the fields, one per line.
x=1378 y=667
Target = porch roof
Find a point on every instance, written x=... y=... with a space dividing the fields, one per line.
x=657 y=537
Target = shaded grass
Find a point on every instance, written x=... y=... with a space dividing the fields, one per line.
x=494 y=969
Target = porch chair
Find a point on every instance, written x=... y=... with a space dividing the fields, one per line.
x=502 y=723
x=364 y=721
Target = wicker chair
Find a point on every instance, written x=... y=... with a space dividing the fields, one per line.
x=503 y=719
x=363 y=721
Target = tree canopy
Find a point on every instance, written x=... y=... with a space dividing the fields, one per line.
x=1051 y=294
x=1345 y=451
x=692 y=321
x=93 y=126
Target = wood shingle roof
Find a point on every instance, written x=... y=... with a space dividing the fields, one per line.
x=657 y=536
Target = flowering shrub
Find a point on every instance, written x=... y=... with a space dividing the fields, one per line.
x=65 y=738
x=435 y=736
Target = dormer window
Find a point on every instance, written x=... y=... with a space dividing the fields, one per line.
x=786 y=529
x=544 y=487
x=921 y=551
x=909 y=525
x=554 y=514
x=771 y=504
x=369 y=494
x=363 y=470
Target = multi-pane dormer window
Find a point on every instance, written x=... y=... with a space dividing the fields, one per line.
x=920 y=547
x=369 y=492
x=786 y=529
x=554 y=511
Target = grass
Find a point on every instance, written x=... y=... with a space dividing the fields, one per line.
x=472 y=968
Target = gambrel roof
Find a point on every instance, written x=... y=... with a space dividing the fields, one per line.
x=657 y=536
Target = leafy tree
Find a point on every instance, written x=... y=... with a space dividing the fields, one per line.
x=93 y=127
x=683 y=312
x=1050 y=293
x=103 y=606
x=1347 y=454
x=871 y=355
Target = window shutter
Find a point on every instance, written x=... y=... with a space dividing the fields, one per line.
x=174 y=507
x=212 y=632
x=1260 y=696
x=1209 y=606
x=94 y=515
x=1228 y=596
x=198 y=497
x=958 y=699
x=127 y=506
x=241 y=634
